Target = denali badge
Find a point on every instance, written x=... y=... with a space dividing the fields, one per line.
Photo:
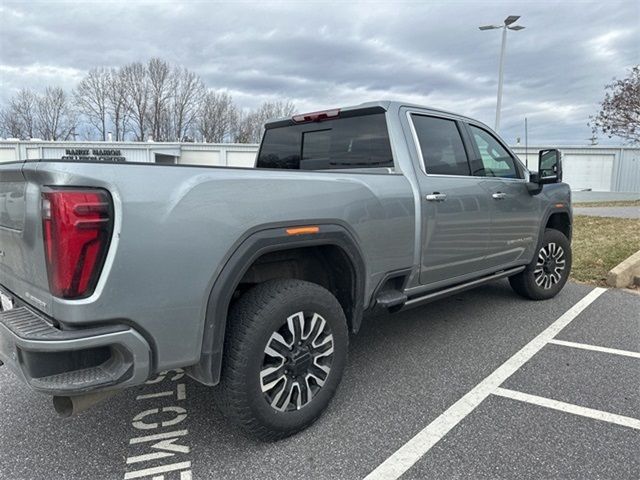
x=35 y=300
x=519 y=240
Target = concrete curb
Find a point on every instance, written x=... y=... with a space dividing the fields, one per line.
x=623 y=274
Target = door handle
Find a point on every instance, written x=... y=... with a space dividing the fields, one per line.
x=436 y=197
x=499 y=196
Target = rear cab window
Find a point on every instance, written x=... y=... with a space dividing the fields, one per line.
x=441 y=146
x=353 y=140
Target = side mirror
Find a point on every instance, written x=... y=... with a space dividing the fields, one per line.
x=549 y=166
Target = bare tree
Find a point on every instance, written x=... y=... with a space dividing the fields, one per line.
x=619 y=113
x=247 y=128
x=217 y=117
x=138 y=94
x=91 y=96
x=155 y=100
x=278 y=109
x=250 y=124
x=188 y=93
x=118 y=106
x=57 y=119
x=25 y=105
x=160 y=81
x=10 y=124
x=19 y=118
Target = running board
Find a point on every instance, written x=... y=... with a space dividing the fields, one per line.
x=391 y=299
x=433 y=296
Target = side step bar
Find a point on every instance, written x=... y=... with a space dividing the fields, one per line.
x=391 y=299
x=433 y=296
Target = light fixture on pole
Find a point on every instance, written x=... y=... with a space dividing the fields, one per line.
x=508 y=25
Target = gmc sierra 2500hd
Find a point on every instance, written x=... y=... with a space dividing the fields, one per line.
x=251 y=279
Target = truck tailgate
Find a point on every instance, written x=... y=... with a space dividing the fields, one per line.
x=22 y=263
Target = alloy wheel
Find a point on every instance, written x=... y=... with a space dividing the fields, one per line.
x=550 y=265
x=297 y=361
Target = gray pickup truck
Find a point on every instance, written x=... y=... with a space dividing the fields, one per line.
x=252 y=279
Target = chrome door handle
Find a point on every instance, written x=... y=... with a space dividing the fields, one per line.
x=436 y=197
x=499 y=196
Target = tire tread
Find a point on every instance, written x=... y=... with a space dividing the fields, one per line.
x=243 y=319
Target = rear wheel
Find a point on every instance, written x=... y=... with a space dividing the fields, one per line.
x=547 y=273
x=285 y=352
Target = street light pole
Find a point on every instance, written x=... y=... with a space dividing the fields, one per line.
x=500 y=77
x=506 y=26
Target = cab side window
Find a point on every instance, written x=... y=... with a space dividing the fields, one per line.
x=441 y=145
x=495 y=159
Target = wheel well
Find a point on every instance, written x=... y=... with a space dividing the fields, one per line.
x=325 y=265
x=560 y=221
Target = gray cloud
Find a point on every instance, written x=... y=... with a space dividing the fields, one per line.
x=323 y=54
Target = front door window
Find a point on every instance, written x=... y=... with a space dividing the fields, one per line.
x=496 y=161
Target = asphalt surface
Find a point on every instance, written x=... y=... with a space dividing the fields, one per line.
x=404 y=371
x=618 y=212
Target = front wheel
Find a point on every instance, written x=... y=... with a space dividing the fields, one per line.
x=547 y=273
x=285 y=352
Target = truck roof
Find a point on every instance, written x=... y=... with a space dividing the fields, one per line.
x=384 y=104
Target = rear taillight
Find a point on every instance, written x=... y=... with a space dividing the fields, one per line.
x=77 y=226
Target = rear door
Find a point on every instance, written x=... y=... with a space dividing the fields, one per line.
x=455 y=208
x=514 y=212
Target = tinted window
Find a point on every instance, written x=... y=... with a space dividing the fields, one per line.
x=496 y=161
x=353 y=142
x=441 y=146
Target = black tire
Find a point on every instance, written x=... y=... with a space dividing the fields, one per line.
x=255 y=317
x=535 y=282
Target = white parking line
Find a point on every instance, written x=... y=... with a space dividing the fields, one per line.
x=407 y=455
x=569 y=408
x=595 y=348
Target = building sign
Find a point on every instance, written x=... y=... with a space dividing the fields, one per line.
x=94 y=155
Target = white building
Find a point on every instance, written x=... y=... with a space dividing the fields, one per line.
x=222 y=154
x=596 y=168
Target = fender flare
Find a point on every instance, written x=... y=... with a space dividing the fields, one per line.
x=547 y=215
x=266 y=239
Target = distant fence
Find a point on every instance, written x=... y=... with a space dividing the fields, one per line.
x=596 y=168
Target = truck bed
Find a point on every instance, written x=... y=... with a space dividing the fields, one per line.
x=174 y=227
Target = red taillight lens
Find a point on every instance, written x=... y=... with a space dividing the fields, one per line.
x=77 y=227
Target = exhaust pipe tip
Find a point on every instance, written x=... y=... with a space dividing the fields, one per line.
x=69 y=406
x=63 y=406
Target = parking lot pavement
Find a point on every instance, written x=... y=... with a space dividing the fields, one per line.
x=405 y=371
x=619 y=212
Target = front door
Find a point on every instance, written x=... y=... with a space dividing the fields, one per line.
x=514 y=211
x=454 y=206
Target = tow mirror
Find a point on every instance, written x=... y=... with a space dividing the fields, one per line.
x=549 y=166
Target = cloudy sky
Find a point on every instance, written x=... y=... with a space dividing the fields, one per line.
x=323 y=54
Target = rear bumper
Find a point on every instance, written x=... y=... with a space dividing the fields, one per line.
x=71 y=362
